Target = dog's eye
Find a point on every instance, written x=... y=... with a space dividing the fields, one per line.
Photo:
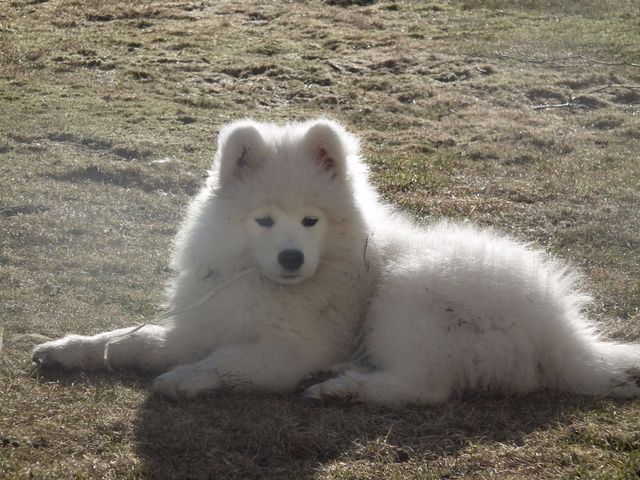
x=266 y=222
x=309 y=221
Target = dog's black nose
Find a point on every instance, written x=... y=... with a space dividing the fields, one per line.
x=291 y=259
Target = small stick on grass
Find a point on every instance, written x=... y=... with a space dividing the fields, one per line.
x=588 y=92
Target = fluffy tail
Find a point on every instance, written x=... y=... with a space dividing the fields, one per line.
x=604 y=368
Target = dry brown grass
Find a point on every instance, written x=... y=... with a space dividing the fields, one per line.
x=109 y=111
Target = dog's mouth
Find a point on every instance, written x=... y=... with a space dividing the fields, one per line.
x=289 y=275
x=287 y=278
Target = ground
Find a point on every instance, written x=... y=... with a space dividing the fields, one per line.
x=520 y=115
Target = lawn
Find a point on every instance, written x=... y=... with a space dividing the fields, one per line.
x=524 y=116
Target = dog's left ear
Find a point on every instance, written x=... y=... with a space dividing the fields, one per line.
x=329 y=145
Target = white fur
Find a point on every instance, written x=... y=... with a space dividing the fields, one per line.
x=397 y=312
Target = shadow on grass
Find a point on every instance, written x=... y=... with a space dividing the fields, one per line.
x=231 y=435
x=54 y=374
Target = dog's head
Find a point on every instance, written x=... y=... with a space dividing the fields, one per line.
x=293 y=188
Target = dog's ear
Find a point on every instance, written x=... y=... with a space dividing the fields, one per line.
x=329 y=145
x=240 y=148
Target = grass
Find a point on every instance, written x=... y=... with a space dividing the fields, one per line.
x=109 y=115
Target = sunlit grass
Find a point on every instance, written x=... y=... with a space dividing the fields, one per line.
x=109 y=113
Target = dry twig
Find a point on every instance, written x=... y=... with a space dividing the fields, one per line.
x=555 y=62
x=573 y=98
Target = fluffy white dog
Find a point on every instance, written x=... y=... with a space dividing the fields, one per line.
x=288 y=264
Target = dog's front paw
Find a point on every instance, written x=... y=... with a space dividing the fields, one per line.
x=184 y=382
x=339 y=388
x=321 y=376
x=68 y=353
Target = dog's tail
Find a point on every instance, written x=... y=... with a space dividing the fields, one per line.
x=601 y=368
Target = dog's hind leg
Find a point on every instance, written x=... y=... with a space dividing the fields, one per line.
x=145 y=349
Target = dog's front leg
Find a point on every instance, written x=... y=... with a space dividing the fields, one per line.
x=144 y=349
x=262 y=365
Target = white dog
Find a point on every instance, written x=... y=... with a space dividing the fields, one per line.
x=289 y=264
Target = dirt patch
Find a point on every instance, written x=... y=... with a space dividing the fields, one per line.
x=128 y=177
x=22 y=210
x=88 y=142
x=629 y=96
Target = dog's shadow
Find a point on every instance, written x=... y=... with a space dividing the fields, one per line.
x=254 y=435
x=233 y=435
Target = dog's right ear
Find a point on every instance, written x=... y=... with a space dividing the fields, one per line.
x=241 y=148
